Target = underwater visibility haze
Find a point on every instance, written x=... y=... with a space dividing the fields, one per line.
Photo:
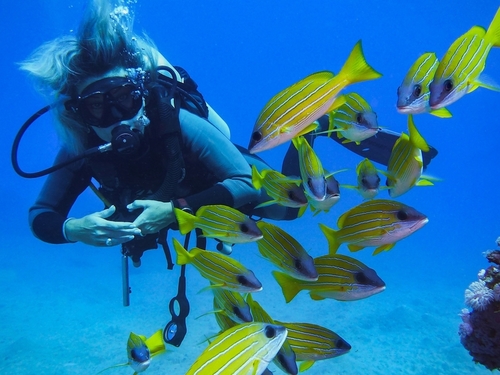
x=61 y=305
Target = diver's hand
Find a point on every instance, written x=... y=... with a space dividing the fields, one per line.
x=156 y=215
x=95 y=230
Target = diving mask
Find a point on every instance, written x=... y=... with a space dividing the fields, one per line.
x=108 y=101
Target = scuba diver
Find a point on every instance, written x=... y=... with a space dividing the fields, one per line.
x=139 y=127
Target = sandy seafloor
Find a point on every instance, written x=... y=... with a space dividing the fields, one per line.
x=61 y=306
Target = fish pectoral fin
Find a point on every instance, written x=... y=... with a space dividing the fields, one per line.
x=114 y=366
x=352 y=247
x=309 y=128
x=441 y=113
x=386 y=247
x=484 y=81
x=305 y=365
x=265 y=204
x=210 y=287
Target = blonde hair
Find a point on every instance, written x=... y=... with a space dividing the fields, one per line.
x=104 y=42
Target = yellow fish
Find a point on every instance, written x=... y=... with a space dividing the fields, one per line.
x=413 y=94
x=285 y=252
x=331 y=198
x=284 y=190
x=221 y=270
x=368 y=179
x=140 y=350
x=378 y=222
x=285 y=358
x=311 y=170
x=292 y=112
x=459 y=71
x=354 y=120
x=232 y=304
x=218 y=221
x=340 y=277
x=245 y=349
x=405 y=166
x=312 y=343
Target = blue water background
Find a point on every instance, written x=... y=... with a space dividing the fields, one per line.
x=241 y=54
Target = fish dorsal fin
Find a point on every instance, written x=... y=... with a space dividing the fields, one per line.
x=415 y=138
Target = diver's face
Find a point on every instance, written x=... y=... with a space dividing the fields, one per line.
x=110 y=100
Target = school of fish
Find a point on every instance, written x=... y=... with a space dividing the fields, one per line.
x=249 y=338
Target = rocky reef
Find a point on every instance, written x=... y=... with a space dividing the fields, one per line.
x=480 y=328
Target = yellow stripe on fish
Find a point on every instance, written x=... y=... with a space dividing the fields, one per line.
x=339 y=277
x=354 y=120
x=285 y=358
x=292 y=112
x=285 y=252
x=218 y=221
x=378 y=222
x=312 y=342
x=405 y=166
x=221 y=270
x=414 y=93
x=243 y=349
x=459 y=71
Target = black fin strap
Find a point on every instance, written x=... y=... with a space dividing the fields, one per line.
x=176 y=329
x=162 y=240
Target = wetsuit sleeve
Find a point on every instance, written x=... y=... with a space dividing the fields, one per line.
x=216 y=152
x=58 y=194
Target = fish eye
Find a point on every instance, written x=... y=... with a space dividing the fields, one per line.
x=417 y=90
x=309 y=182
x=256 y=136
x=361 y=277
x=359 y=117
x=270 y=332
x=243 y=280
x=298 y=264
x=237 y=312
x=448 y=85
x=402 y=215
x=342 y=344
x=244 y=228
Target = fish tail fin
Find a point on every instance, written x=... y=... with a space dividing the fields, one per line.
x=155 y=343
x=415 y=138
x=331 y=236
x=288 y=285
x=183 y=256
x=493 y=32
x=257 y=178
x=356 y=69
x=185 y=220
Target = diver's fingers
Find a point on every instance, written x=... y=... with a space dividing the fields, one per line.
x=106 y=212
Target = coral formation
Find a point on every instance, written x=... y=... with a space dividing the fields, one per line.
x=480 y=328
